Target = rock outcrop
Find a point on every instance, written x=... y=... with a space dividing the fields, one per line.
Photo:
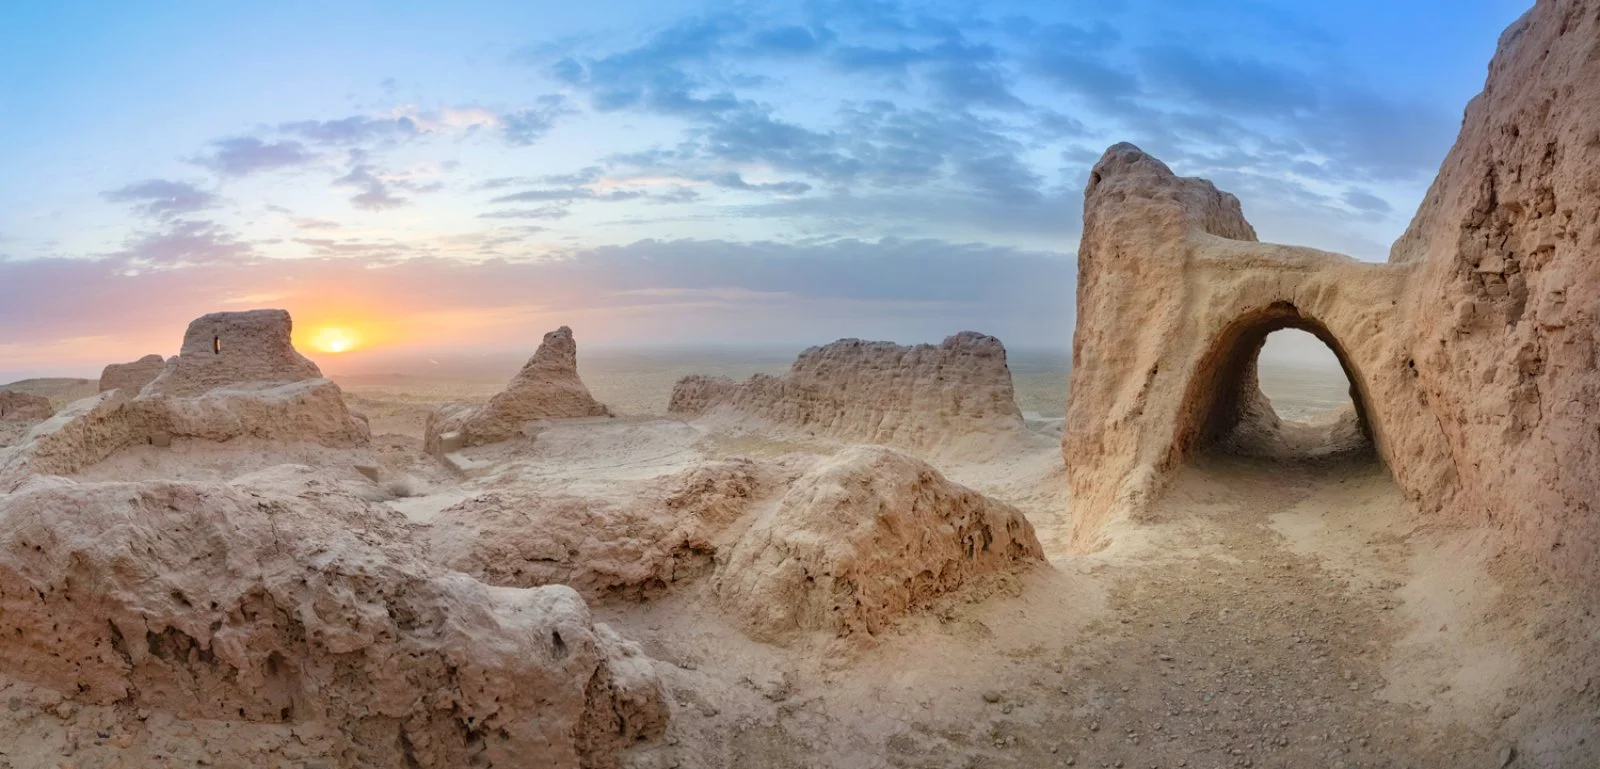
x=198 y=397
x=226 y=348
x=1471 y=353
x=22 y=407
x=132 y=377
x=19 y=412
x=877 y=392
x=280 y=598
x=1504 y=305
x=547 y=387
x=629 y=546
x=1175 y=299
x=860 y=540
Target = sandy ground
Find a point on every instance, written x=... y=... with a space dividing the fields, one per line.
x=1262 y=615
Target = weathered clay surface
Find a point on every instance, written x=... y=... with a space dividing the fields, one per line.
x=226 y=348
x=1472 y=353
x=132 y=377
x=629 y=546
x=279 y=598
x=860 y=540
x=22 y=407
x=83 y=433
x=547 y=387
x=1504 y=305
x=215 y=406
x=310 y=410
x=19 y=412
x=1175 y=299
x=877 y=392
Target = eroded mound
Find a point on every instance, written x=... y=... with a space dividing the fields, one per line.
x=19 y=412
x=547 y=387
x=249 y=601
x=260 y=389
x=132 y=377
x=860 y=540
x=879 y=392
x=226 y=348
x=633 y=546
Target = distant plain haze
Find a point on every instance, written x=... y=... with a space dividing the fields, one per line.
x=466 y=176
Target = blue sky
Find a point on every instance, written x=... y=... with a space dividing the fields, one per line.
x=473 y=174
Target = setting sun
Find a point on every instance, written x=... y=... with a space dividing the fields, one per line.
x=334 y=339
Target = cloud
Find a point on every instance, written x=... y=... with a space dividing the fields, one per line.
x=680 y=291
x=357 y=129
x=567 y=194
x=734 y=181
x=375 y=194
x=527 y=126
x=243 y=155
x=1229 y=84
x=1361 y=200
x=163 y=199
x=542 y=212
x=182 y=243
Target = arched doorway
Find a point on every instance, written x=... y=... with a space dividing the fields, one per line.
x=1225 y=410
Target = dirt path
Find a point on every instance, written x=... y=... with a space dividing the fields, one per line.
x=1223 y=647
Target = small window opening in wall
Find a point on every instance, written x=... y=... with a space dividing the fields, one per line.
x=216 y=345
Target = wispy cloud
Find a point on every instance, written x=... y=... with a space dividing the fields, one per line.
x=243 y=155
x=163 y=199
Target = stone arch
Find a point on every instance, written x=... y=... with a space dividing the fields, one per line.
x=1223 y=390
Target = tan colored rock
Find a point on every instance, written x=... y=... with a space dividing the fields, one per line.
x=199 y=398
x=132 y=377
x=226 y=348
x=877 y=392
x=85 y=432
x=22 y=407
x=311 y=410
x=280 y=598
x=1472 y=353
x=1505 y=302
x=1175 y=299
x=863 y=538
x=547 y=387
x=19 y=412
x=630 y=545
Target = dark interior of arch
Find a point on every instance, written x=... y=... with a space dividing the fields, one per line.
x=1225 y=411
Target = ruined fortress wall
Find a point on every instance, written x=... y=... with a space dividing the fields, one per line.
x=878 y=392
x=1505 y=304
x=1471 y=353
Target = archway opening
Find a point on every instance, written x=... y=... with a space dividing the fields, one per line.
x=1276 y=384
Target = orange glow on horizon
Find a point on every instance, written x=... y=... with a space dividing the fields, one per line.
x=334 y=339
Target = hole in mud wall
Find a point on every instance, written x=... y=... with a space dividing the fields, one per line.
x=216 y=345
x=1276 y=385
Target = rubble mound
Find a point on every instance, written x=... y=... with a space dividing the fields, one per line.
x=132 y=377
x=877 y=392
x=547 y=387
x=278 y=598
x=860 y=540
x=631 y=546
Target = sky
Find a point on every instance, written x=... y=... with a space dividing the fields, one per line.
x=411 y=176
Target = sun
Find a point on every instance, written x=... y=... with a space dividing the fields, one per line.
x=334 y=339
